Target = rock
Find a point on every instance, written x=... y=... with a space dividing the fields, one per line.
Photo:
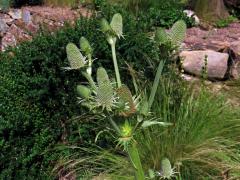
x=19 y=33
x=235 y=70
x=26 y=16
x=217 y=64
x=8 y=40
x=15 y=13
x=189 y=78
x=3 y=26
x=36 y=19
x=235 y=49
x=32 y=28
x=6 y=18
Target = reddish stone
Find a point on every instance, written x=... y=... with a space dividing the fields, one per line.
x=32 y=28
x=8 y=40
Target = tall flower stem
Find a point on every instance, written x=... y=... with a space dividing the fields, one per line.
x=119 y=84
x=136 y=162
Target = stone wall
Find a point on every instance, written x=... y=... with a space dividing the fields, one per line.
x=19 y=25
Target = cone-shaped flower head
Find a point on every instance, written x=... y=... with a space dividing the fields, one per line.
x=117 y=24
x=85 y=46
x=75 y=57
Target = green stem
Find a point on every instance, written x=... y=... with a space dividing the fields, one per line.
x=90 y=80
x=119 y=84
x=155 y=84
x=136 y=161
x=89 y=64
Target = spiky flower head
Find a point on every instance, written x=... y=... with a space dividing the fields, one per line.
x=75 y=57
x=105 y=26
x=114 y=29
x=117 y=25
x=167 y=172
x=83 y=91
x=178 y=32
x=161 y=36
x=85 y=46
x=126 y=135
x=105 y=92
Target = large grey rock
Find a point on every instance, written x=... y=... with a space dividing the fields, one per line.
x=217 y=64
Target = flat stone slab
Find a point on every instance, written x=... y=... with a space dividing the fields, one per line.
x=217 y=63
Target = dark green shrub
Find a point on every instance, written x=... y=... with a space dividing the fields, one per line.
x=4 y=5
x=157 y=12
x=38 y=97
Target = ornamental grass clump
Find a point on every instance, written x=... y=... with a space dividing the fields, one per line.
x=203 y=142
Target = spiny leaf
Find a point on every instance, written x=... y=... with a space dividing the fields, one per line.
x=144 y=107
x=85 y=46
x=152 y=123
x=105 y=93
x=178 y=32
x=117 y=24
x=102 y=76
x=74 y=56
x=125 y=95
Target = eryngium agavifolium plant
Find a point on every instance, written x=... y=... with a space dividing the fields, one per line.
x=111 y=99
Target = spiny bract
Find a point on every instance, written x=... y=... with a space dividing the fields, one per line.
x=125 y=96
